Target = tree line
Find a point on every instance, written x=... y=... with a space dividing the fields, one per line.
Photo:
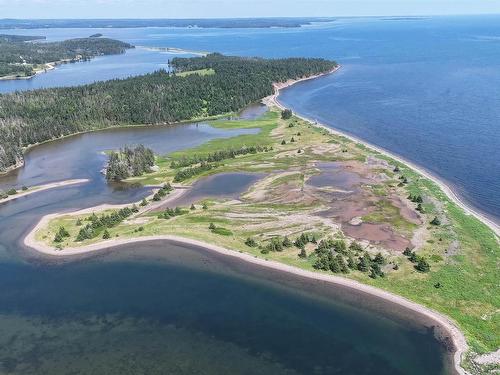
x=158 y=98
x=217 y=156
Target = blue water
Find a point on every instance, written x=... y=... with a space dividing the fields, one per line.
x=427 y=89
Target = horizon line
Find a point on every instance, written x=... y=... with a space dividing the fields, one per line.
x=257 y=17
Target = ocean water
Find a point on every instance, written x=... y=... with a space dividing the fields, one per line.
x=427 y=88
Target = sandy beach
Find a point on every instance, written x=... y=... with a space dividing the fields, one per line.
x=36 y=189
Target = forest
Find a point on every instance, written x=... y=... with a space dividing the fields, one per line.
x=162 y=97
x=19 y=54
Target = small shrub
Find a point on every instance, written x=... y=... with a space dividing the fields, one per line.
x=422 y=265
x=250 y=242
x=436 y=221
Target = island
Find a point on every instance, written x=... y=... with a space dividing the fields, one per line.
x=316 y=202
x=21 y=57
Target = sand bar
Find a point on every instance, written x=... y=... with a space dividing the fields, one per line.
x=36 y=189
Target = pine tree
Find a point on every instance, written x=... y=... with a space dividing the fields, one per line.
x=436 y=221
x=422 y=265
x=287 y=242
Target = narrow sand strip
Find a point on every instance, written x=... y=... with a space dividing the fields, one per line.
x=36 y=189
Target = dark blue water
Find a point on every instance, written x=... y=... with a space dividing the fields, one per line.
x=427 y=89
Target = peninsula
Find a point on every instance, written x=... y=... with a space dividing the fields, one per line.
x=324 y=206
x=13 y=193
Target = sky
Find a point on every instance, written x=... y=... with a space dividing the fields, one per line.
x=238 y=8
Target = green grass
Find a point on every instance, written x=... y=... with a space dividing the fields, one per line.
x=201 y=72
x=222 y=231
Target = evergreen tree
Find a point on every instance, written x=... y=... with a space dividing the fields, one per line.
x=364 y=263
x=250 y=242
x=422 y=265
x=287 y=242
x=286 y=114
x=303 y=253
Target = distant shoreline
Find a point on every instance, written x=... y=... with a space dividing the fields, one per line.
x=273 y=100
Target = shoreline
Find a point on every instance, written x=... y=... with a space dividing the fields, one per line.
x=273 y=100
x=47 y=67
x=38 y=188
x=452 y=330
x=27 y=149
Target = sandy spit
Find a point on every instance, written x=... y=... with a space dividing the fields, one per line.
x=36 y=189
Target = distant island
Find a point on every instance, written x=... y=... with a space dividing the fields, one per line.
x=24 y=56
x=134 y=23
x=199 y=87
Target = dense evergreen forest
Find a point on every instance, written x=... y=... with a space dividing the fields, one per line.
x=157 y=98
x=19 y=55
